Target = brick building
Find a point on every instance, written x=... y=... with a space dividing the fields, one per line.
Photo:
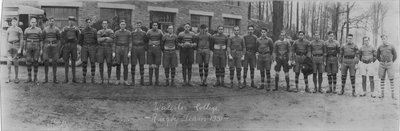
x=213 y=14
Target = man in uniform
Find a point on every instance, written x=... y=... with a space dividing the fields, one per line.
x=332 y=51
x=51 y=37
x=123 y=42
x=386 y=55
x=250 y=55
x=154 y=51
x=300 y=52
x=349 y=60
x=203 y=53
x=14 y=39
x=318 y=55
x=236 y=49
x=367 y=66
x=138 y=51
x=105 y=38
x=219 y=42
x=265 y=47
x=186 y=54
x=88 y=42
x=33 y=45
x=169 y=45
x=69 y=37
x=281 y=58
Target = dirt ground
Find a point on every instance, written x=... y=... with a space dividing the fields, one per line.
x=101 y=107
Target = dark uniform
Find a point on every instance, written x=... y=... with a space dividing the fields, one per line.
x=236 y=49
x=318 y=55
x=170 y=58
x=265 y=47
x=386 y=55
x=300 y=52
x=33 y=38
x=348 y=60
x=15 y=36
x=154 y=53
x=220 y=42
x=186 y=54
x=69 y=37
x=204 y=47
x=51 y=37
x=88 y=42
x=104 y=51
x=122 y=39
x=281 y=53
x=138 y=52
x=250 y=58
x=331 y=68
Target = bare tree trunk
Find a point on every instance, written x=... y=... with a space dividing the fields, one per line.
x=335 y=19
x=291 y=14
x=277 y=19
x=312 y=19
x=259 y=11
x=297 y=17
x=249 y=11
x=347 y=19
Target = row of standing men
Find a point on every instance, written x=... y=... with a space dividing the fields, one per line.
x=236 y=51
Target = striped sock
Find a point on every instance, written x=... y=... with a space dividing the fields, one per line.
x=231 y=73
x=334 y=80
x=392 y=87
x=201 y=68
x=206 y=70
x=306 y=80
x=93 y=68
x=252 y=73
x=343 y=80
x=383 y=87
x=296 y=79
x=353 y=82
x=238 y=73
x=268 y=73
x=172 y=73
x=262 y=73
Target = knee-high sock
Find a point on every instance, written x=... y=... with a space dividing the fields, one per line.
x=46 y=69
x=231 y=73
x=201 y=68
x=353 y=82
x=84 y=68
x=306 y=80
x=343 y=80
x=101 y=70
x=150 y=74
x=54 y=70
x=364 y=83
x=141 y=69
x=315 y=79
x=173 y=73
x=125 y=72
x=372 y=83
x=330 y=79
x=109 y=69
x=189 y=73
x=252 y=74
x=245 y=73
x=93 y=68
x=29 y=67
x=73 y=66
x=276 y=80
x=166 y=71
x=133 y=72
x=9 y=68
x=157 y=72
x=382 y=87
x=217 y=73
x=35 y=69
x=268 y=73
x=16 y=66
x=319 y=80
x=392 y=86
x=287 y=79
x=262 y=73
x=296 y=79
x=334 y=79
x=118 y=72
x=205 y=71
x=184 y=73
x=222 y=73
x=238 y=74
x=66 y=64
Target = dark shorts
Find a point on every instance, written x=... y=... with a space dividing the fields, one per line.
x=386 y=68
x=348 y=65
x=70 y=50
x=121 y=55
x=51 y=51
x=186 y=57
x=170 y=59
x=138 y=54
x=298 y=60
x=236 y=62
x=264 y=62
x=332 y=65
x=282 y=63
x=104 y=52
x=154 y=55
x=219 y=58
x=249 y=60
x=203 y=56
x=32 y=52
x=318 y=64
x=88 y=51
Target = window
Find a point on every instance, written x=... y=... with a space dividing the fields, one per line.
x=233 y=3
x=61 y=14
x=197 y=20
x=163 y=18
x=114 y=16
x=229 y=23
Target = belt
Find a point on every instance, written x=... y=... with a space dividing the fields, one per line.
x=385 y=61
x=154 y=45
x=263 y=53
x=318 y=55
x=137 y=45
x=170 y=50
x=348 y=57
x=52 y=42
x=251 y=51
x=30 y=40
x=330 y=55
x=301 y=54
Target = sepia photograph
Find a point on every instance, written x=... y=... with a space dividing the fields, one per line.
x=255 y=65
